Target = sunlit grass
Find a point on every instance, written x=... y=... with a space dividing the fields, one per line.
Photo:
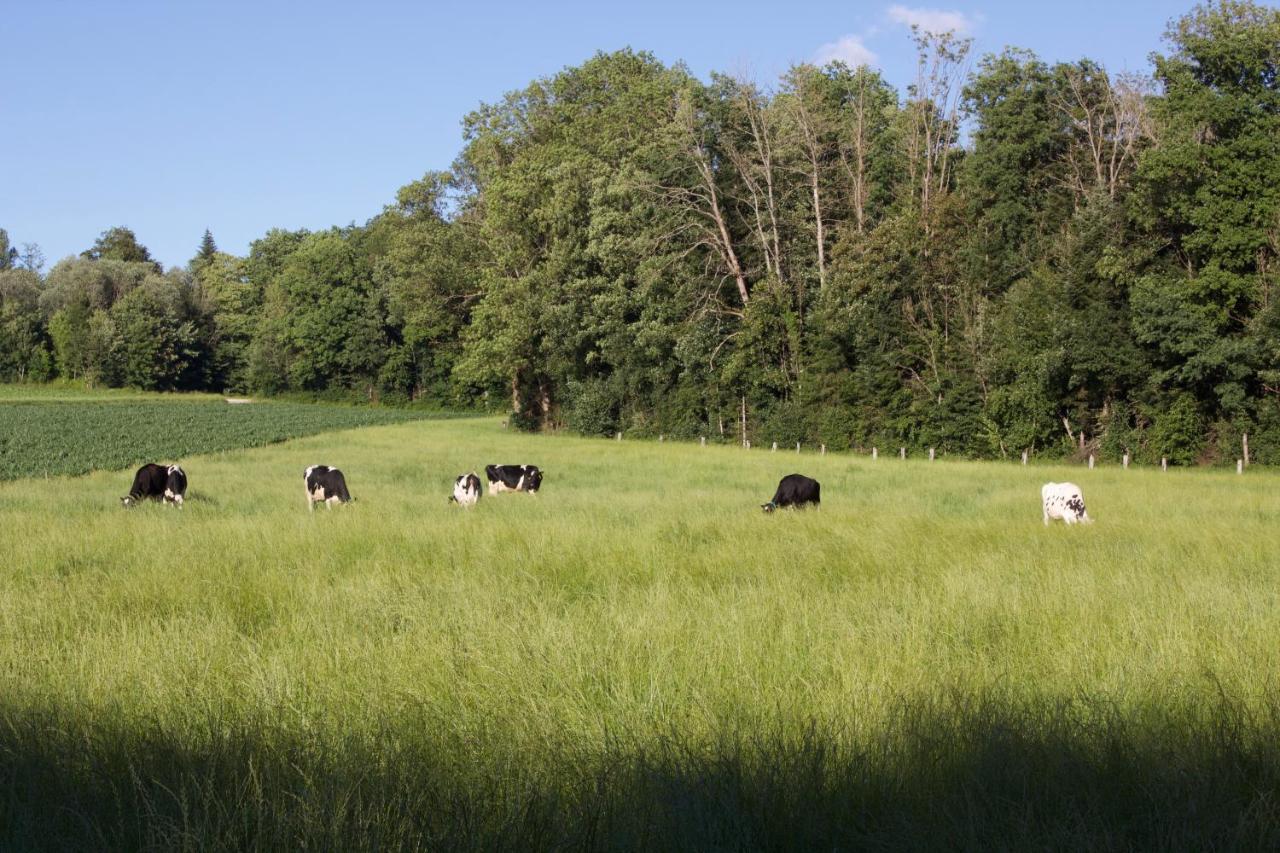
x=637 y=656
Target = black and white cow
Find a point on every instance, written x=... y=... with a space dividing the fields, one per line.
x=325 y=484
x=1064 y=501
x=466 y=490
x=794 y=490
x=157 y=482
x=513 y=478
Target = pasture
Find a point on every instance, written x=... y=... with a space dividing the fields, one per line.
x=637 y=657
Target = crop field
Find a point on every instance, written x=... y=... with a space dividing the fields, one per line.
x=637 y=657
x=81 y=433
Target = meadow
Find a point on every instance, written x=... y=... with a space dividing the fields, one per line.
x=637 y=657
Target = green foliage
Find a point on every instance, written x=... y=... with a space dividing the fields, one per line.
x=8 y=252
x=24 y=344
x=591 y=408
x=1177 y=431
x=119 y=244
x=323 y=318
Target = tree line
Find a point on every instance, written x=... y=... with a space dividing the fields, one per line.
x=1007 y=255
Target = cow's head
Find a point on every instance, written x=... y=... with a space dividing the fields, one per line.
x=534 y=481
x=127 y=501
x=769 y=507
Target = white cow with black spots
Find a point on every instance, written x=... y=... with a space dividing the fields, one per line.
x=1064 y=501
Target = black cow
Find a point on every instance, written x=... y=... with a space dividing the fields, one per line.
x=466 y=490
x=325 y=484
x=513 y=478
x=157 y=482
x=794 y=490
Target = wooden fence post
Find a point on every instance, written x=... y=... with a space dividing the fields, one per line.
x=619 y=436
x=1126 y=461
x=873 y=453
x=660 y=438
x=797 y=447
x=1239 y=466
x=703 y=440
x=902 y=453
x=822 y=450
x=1090 y=461
x=1164 y=463
x=1244 y=441
x=1024 y=457
x=775 y=447
x=930 y=454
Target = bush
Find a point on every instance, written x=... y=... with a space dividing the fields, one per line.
x=1177 y=432
x=785 y=422
x=836 y=427
x=591 y=408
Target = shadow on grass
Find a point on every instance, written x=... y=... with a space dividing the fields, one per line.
x=957 y=774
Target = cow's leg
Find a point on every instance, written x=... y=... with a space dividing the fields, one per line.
x=311 y=503
x=1046 y=516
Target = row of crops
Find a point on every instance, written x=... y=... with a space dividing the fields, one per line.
x=44 y=439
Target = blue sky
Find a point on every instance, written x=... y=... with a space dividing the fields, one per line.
x=172 y=117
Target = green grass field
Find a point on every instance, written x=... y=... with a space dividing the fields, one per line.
x=637 y=657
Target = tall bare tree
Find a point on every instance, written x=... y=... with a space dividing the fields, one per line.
x=1109 y=123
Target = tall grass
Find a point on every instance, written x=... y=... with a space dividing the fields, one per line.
x=637 y=657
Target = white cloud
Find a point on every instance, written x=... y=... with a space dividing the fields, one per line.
x=847 y=49
x=932 y=20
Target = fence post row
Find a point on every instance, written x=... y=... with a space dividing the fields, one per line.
x=1241 y=463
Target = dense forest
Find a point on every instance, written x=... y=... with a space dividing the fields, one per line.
x=1007 y=255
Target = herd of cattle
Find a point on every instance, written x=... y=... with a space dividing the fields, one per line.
x=327 y=485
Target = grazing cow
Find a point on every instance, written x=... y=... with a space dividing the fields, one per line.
x=325 y=484
x=794 y=490
x=513 y=478
x=1064 y=501
x=157 y=482
x=466 y=490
